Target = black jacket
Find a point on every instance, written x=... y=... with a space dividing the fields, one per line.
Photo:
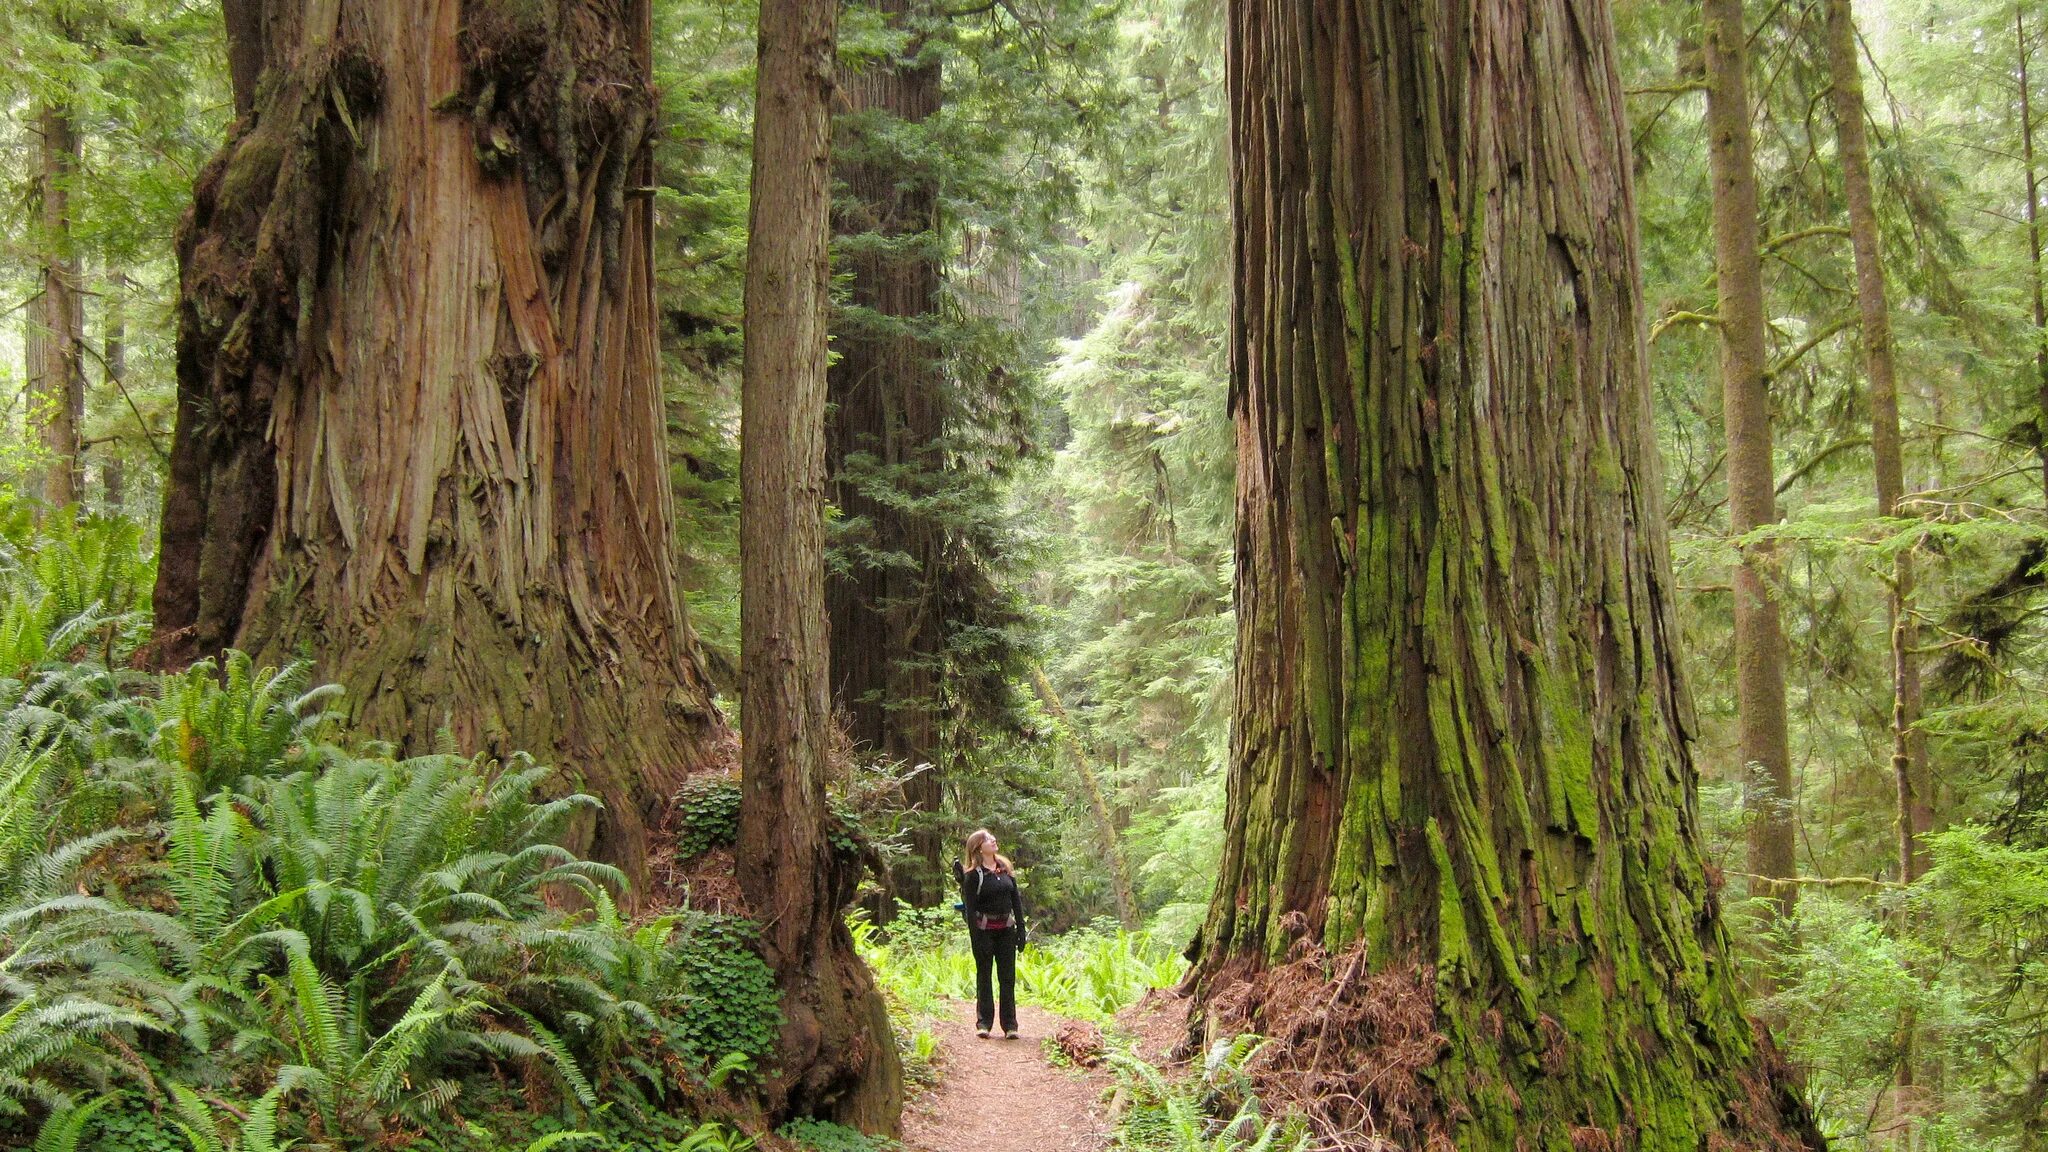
x=985 y=892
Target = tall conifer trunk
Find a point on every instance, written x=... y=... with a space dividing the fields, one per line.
x=884 y=430
x=1462 y=745
x=57 y=317
x=114 y=363
x=837 y=1052
x=1873 y=309
x=419 y=430
x=1762 y=747
x=2033 y=216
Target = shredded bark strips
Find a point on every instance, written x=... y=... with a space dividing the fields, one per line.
x=420 y=424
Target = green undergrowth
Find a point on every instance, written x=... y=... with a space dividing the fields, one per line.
x=922 y=960
x=1212 y=1108
x=227 y=926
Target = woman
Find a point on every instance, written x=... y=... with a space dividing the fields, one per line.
x=995 y=925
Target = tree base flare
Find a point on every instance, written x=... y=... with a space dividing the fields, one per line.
x=1368 y=1059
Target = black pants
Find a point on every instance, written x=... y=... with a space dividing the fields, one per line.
x=996 y=949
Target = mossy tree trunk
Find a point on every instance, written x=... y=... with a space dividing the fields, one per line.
x=883 y=434
x=837 y=1052
x=1462 y=743
x=419 y=431
x=1762 y=747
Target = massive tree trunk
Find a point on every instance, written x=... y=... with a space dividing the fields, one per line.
x=57 y=317
x=838 y=1056
x=1873 y=310
x=1462 y=752
x=419 y=418
x=883 y=433
x=1762 y=747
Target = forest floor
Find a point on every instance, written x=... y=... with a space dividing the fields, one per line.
x=999 y=1095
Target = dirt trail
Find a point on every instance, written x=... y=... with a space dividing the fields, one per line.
x=999 y=1095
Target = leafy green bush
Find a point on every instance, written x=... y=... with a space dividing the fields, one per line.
x=732 y=1007
x=707 y=815
x=821 y=1136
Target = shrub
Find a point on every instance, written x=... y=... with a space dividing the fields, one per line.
x=707 y=816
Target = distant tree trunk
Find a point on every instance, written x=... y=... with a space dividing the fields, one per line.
x=419 y=430
x=1111 y=845
x=1873 y=310
x=1462 y=748
x=884 y=430
x=1762 y=746
x=114 y=338
x=837 y=1055
x=1873 y=307
x=57 y=320
x=2040 y=289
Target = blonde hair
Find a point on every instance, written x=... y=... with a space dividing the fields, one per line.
x=975 y=840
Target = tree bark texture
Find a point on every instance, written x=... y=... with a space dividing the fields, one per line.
x=883 y=435
x=1462 y=745
x=2040 y=284
x=1763 y=748
x=1873 y=310
x=57 y=317
x=419 y=431
x=838 y=1055
x=114 y=364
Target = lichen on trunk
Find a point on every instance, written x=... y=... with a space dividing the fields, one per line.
x=1462 y=741
x=420 y=434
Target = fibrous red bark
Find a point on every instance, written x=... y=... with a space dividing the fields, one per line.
x=837 y=1053
x=420 y=434
x=1462 y=743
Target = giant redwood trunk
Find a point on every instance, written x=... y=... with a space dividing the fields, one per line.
x=419 y=421
x=1462 y=883
x=1761 y=742
x=883 y=431
x=837 y=1054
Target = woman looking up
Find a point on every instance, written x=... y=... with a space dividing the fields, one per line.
x=995 y=926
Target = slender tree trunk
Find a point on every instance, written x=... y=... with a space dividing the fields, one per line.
x=883 y=435
x=1873 y=310
x=1462 y=748
x=2040 y=290
x=1111 y=845
x=1761 y=742
x=838 y=1057
x=58 y=377
x=419 y=428
x=114 y=332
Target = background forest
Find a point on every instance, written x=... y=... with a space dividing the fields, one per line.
x=1030 y=573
